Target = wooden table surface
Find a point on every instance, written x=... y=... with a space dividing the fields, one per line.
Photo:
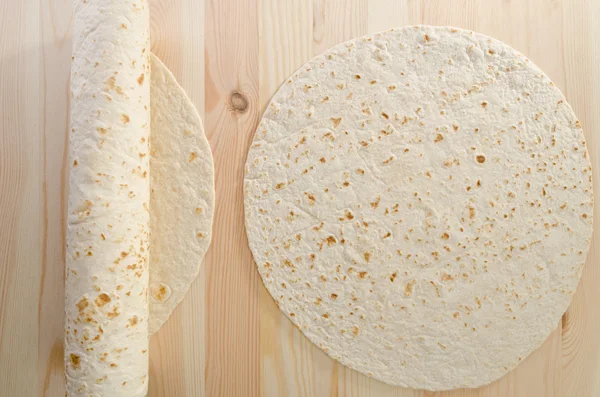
x=227 y=338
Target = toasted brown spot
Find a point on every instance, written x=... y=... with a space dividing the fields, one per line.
x=484 y=104
x=140 y=79
x=75 y=360
x=393 y=276
x=471 y=212
x=114 y=313
x=322 y=160
x=355 y=330
x=375 y=203
x=334 y=296
x=409 y=288
x=82 y=304
x=367 y=256
x=480 y=159
x=102 y=300
x=110 y=83
x=133 y=321
x=330 y=241
x=447 y=277
x=125 y=118
x=445 y=236
x=161 y=294
x=288 y=263
x=347 y=216
x=75 y=163
x=362 y=274
x=336 y=121
x=439 y=138
x=192 y=157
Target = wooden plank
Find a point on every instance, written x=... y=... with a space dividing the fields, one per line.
x=231 y=117
x=286 y=43
x=31 y=148
x=177 y=351
x=580 y=50
x=56 y=25
x=228 y=338
x=285 y=29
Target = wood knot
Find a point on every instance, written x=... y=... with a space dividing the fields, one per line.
x=238 y=101
x=565 y=323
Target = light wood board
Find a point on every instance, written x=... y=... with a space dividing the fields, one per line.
x=227 y=339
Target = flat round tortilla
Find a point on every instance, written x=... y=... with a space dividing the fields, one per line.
x=182 y=194
x=419 y=204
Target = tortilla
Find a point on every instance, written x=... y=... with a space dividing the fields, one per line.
x=182 y=194
x=419 y=204
x=106 y=302
x=119 y=171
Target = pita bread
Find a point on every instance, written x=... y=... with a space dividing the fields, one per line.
x=419 y=204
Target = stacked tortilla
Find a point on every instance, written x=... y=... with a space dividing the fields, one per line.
x=132 y=158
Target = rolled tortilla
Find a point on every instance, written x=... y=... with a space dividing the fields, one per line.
x=106 y=341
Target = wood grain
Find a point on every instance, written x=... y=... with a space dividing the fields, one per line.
x=178 y=353
x=227 y=338
x=232 y=114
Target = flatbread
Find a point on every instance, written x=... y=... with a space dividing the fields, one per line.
x=419 y=204
x=106 y=286
x=182 y=194
x=125 y=182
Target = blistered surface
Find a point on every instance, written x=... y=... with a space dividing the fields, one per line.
x=182 y=194
x=106 y=302
x=419 y=203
